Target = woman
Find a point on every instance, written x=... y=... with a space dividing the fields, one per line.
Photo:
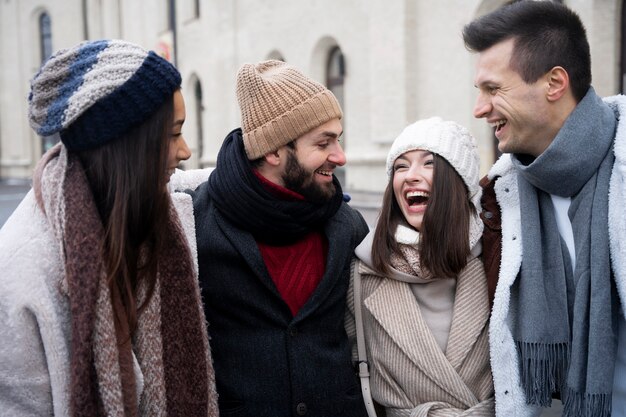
x=424 y=300
x=99 y=308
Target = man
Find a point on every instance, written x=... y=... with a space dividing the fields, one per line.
x=557 y=325
x=274 y=243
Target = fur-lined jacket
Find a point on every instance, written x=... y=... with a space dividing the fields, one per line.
x=59 y=353
x=502 y=247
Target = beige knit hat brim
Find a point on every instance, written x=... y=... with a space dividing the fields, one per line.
x=301 y=119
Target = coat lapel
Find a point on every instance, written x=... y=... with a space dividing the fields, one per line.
x=340 y=247
x=393 y=305
x=245 y=244
x=471 y=312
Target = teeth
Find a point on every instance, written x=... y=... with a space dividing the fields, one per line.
x=326 y=173
x=417 y=194
x=497 y=124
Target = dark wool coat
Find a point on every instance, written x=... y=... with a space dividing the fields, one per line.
x=267 y=362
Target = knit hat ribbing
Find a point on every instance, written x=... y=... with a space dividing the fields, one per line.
x=98 y=90
x=279 y=104
x=447 y=139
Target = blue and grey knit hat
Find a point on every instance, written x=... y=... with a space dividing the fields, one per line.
x=97 y=90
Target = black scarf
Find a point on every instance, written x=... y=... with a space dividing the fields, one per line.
x=243 y=200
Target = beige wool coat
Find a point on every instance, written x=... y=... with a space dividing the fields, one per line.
x=410 y=375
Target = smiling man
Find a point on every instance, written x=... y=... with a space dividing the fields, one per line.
x=553 y=208
x=275 y=240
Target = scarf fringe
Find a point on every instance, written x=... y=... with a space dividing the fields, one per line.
x=581 y=404
x=543 y=370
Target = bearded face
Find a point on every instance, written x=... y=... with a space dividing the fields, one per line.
x=304 y=181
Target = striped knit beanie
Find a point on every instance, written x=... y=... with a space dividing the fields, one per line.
x=97 y=90
x=279 y=104
x=447 y=139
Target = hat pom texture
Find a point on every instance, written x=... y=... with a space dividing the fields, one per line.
x=447 y=139
x=279 y=104
x=98 y=90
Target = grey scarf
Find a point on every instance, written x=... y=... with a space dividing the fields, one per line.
x=565 y=321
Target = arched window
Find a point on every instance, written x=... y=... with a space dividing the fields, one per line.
x=45 y=36
x=197 y=92
x=335 y=74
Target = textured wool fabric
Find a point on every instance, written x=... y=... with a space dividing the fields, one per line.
x=97 y=90
x=171 y=344
x=510 y=397
x=568 y=317
x=410 y=374
x=446 y=139
x=279 y=104
x=298 y=268
x=240 y=198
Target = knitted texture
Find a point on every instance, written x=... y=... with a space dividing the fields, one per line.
x=447 y=139
x=279 y=104
x=98 y=90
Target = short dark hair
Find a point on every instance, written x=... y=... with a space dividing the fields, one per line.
x=444 y=241
x=546 y=34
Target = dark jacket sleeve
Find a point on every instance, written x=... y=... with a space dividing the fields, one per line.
x=492 y=234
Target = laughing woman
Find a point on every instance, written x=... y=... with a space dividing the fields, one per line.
x=423 y=291
x=100 y=312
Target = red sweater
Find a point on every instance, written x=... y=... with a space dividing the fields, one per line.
x=295 y=269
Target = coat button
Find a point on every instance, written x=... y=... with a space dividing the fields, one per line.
x=293 y=332
x=488 y=215
x=301 y=409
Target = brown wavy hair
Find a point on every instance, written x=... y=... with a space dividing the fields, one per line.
x=444 y=235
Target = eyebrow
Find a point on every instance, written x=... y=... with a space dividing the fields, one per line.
x=330 y=134
x=425 y=154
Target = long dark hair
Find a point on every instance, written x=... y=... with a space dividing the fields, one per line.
x=128 y=181
x=444 y=235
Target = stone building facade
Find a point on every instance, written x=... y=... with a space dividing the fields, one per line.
x=390 y=62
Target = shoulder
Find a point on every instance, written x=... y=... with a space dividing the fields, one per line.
x=354 y=220
x=502 y=167
x=189 y=179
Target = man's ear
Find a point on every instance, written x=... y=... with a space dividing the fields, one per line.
x=558 y=83
x=273 y=158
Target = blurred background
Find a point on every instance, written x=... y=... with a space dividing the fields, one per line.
x=389 y=62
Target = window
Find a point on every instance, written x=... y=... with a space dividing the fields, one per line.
x=199 y=129
x=45 y=36
x=335 y=74
x=196 y=8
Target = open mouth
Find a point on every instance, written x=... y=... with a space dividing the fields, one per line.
x=325 y=173
x=417 y=198
x=498 y=125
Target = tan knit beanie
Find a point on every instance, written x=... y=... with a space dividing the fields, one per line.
x=279 y=104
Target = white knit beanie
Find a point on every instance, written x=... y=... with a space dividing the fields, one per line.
x=447 y=139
